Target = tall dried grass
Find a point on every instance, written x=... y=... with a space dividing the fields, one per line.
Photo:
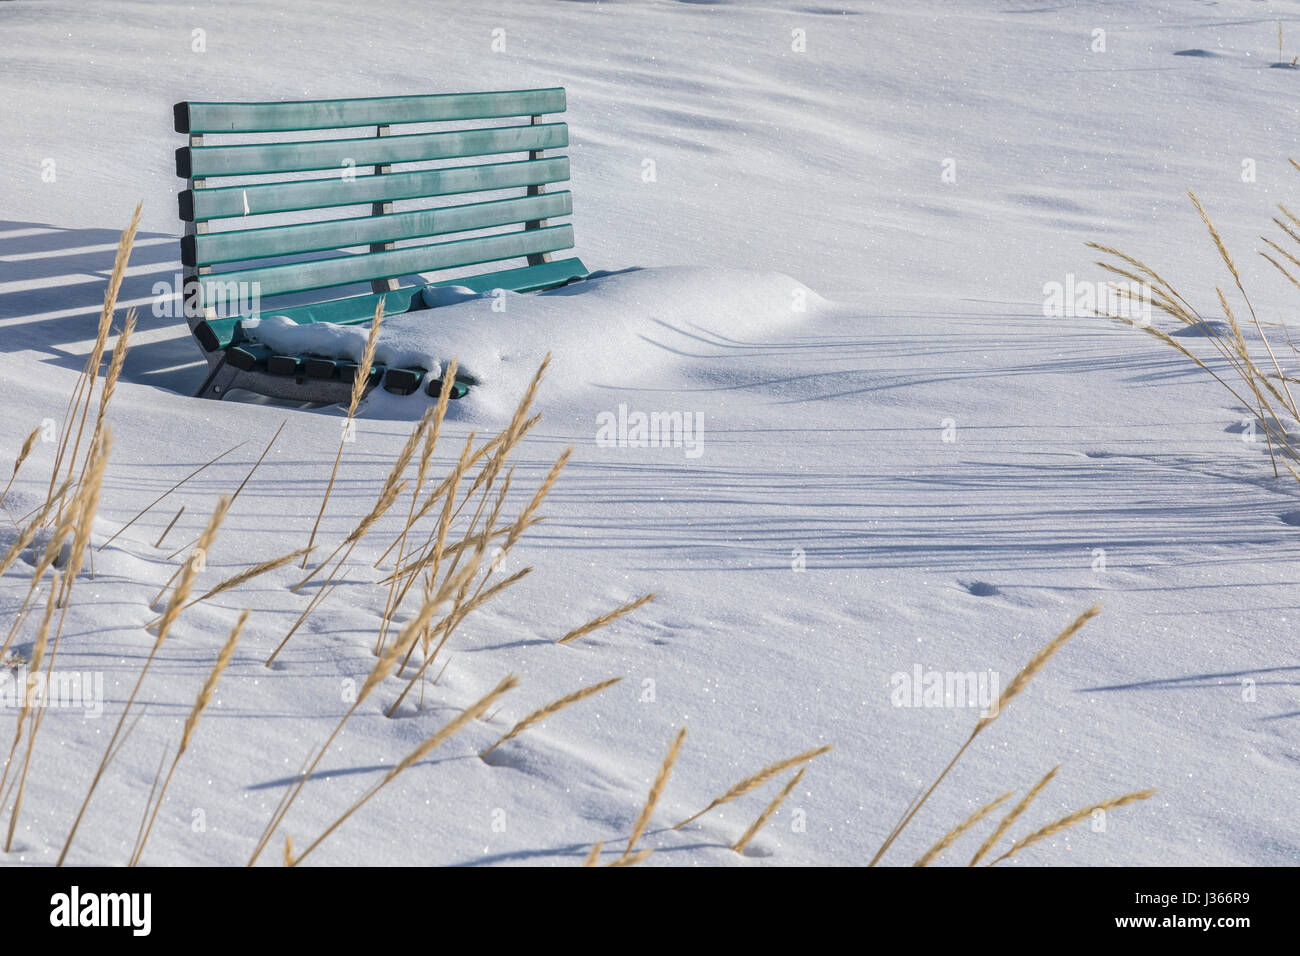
x=1013 y=690
x=1252 y=374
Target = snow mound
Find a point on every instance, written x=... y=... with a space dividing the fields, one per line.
x=614 y=329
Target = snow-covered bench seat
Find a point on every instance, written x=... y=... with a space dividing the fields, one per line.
x=257 y=229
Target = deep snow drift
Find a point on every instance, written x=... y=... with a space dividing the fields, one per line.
x=928 y=474
x=630 y=328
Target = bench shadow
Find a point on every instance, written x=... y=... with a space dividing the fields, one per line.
x=52 y=288
x=52 y=293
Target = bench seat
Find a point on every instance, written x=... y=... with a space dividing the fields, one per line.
x=358 y=309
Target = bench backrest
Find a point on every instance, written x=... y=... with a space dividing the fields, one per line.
x=357 y=169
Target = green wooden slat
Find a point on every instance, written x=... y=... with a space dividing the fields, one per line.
x=357 y=309
x=201 y=204
x=265 y=158
x=323 y=273
x=235 y=246
x=371 y=111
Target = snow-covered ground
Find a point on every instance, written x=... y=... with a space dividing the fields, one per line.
x=921 y=471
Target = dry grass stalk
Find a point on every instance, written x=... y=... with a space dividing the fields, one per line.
x=771 y=808
x=28 y=444
x=756 y=780
x=151 y=504
x=191 y=725
x=235 y=580
x=33 y=667
x=172 y=611
x=1078 y=816
x=1236 y=278
x=656 y=791
x=554 y=707
x=258 y=464
x=118 y=359
x=28 y=534
x=1036 y=664
x=79 y=402
x=433 y=551
x=1005 y=824
x=1018 y=684
x=168 y=530
x=517 y=529
x=449 y=730
x=382 y=668
x=66 y=524
x=447 y=626
x=593 y=857
x=388 y=495
x=84 y=506
x=469 y=459
x=359 y=383
x=421 y=474
x=632 y=859
x=610 y=617
x=1267 y=386
x=953 y=835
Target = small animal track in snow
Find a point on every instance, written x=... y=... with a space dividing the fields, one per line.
x=982 y=589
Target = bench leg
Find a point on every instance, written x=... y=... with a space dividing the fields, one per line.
x=218 y=381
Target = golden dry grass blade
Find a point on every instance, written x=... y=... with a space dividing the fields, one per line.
x=382 y=668
x=610 y=617
x=632 y=859
x=554 y=707
x=28 y=534
x=33 y=667
x=201 y=702
x=149 y=507
x=168 y=530
x=172 y=611
x=118 y=359
x=85 y=389
x=210 y=685
x=594 y=855
x=1035 y=665
x=359 y=382
x=28 y=444
x=771 y=808
x=84 y=505
x=235 y=580
x=449 y=730
x=754 y=781
x=1005 y=824
x=656 y=791
x=387 y=496
x=1064 y=823
x=190 y=570
x=956 y=833
x=1018 y=684
x=1236 y=278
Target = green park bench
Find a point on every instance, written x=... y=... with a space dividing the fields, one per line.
x=266 y=233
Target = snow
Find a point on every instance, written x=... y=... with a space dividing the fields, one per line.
x=611 y=330
x=1086 y=463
